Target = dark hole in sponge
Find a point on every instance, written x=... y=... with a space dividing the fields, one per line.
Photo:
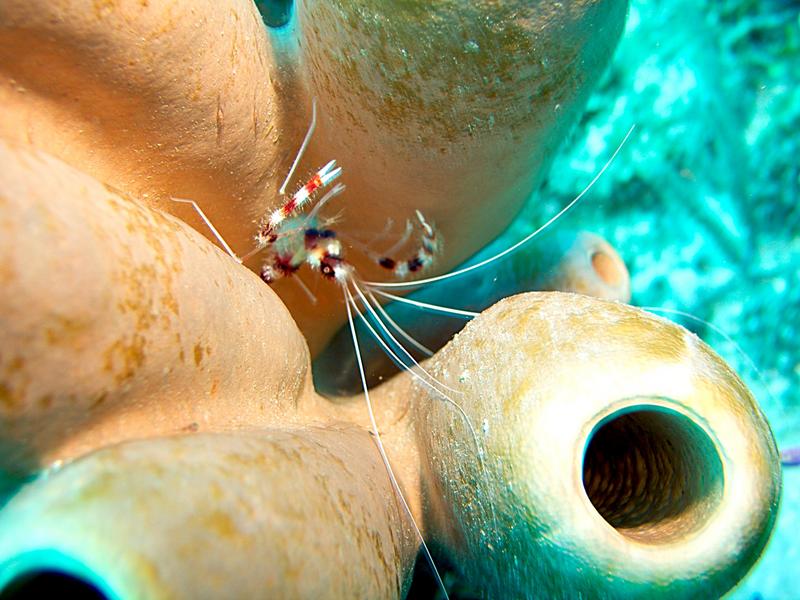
x=654 y=475
x=50 y=584
x=275 y=13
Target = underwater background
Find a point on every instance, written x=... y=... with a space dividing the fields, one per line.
x=702 y=203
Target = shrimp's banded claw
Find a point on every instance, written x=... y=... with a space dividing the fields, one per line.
x=299 y=199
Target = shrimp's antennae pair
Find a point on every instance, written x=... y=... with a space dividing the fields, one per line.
x=389 y=342
x=373 y=288
x=406 y=361
x=350 y=305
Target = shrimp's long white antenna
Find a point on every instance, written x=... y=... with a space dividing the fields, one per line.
x=379 y=443
x=413 y=372
x=303 y=146
x=513 y=248
x=407 y=336
x=210 y=225
x=432 y=382
x=456 y=312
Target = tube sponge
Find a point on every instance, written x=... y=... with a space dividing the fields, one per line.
x=214 y=515
x=621 y=457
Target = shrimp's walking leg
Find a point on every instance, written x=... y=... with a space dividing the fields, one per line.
x=350 y=305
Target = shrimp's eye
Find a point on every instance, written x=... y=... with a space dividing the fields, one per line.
x=275 y=13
